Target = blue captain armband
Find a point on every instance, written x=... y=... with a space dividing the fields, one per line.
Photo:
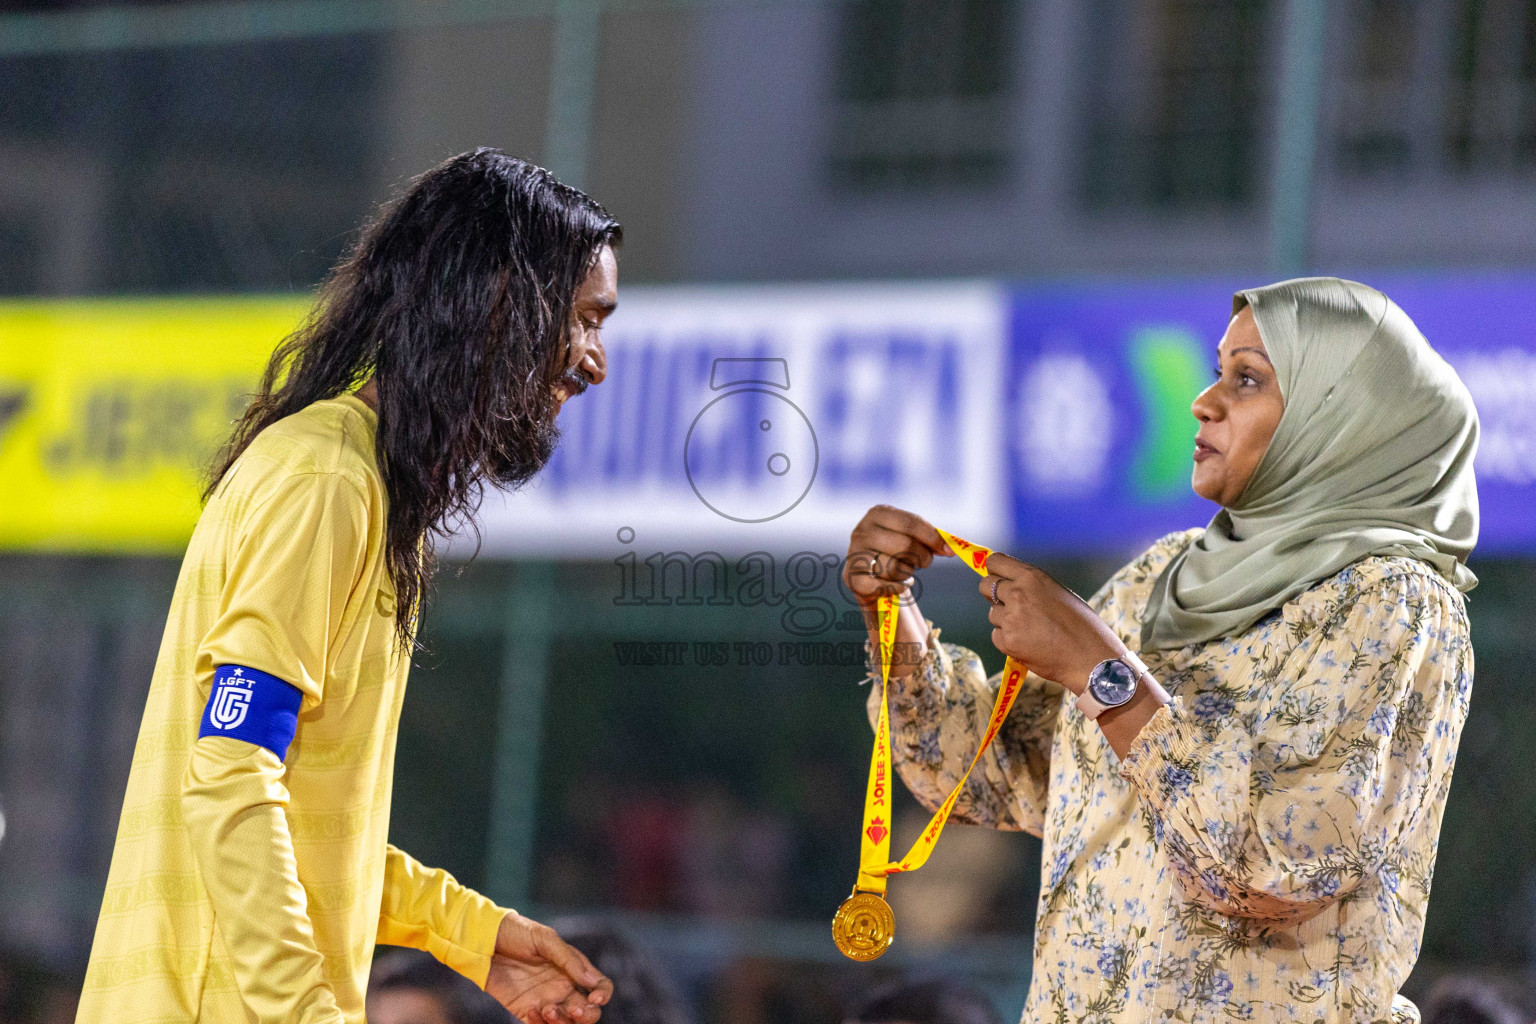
x=252 y=706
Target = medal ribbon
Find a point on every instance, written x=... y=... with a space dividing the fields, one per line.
x=875 y=843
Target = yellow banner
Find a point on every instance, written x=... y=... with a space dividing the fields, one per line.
x=111 y=408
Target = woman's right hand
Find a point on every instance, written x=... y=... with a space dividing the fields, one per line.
x=886 y=548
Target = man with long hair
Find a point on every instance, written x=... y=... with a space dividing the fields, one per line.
x=252 y=876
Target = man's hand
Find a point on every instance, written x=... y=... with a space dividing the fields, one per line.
x=541 y=979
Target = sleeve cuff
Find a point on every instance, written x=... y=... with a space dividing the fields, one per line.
x=482 y=922
x=468 y=950
x=1162 y=757
x=934 y=656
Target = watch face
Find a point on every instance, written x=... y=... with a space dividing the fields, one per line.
x=1112 y=683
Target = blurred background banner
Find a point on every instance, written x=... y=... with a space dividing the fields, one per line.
x=110 y=409
x=773 y=416
x=1102 y=376
x=1051 y=416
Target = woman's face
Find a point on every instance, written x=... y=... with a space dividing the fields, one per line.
x=1238 y=414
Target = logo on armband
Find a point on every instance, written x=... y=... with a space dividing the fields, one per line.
x=230 y=702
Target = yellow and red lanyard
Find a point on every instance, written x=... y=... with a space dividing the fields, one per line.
x=875 y=842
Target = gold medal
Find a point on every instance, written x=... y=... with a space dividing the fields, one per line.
x=863 y=927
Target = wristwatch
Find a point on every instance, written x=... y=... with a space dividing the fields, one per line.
x=1111 y=684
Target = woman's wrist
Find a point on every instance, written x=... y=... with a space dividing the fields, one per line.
x=1123 y=724
x=1093 y=656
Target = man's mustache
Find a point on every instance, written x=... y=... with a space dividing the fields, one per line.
x=574 y=382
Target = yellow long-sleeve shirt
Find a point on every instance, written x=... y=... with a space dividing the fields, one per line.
x=242 y=887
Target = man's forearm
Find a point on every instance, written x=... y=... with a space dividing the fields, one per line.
x=426 y=908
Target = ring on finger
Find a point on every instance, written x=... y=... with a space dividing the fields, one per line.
x=995 y=581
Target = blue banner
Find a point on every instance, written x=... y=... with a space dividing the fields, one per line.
x=1100 y=378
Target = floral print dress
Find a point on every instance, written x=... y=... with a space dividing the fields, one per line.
x=1264 y=851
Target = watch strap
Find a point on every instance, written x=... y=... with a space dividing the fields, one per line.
x=1089 y=706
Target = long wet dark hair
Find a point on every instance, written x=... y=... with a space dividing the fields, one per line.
x=457 y=300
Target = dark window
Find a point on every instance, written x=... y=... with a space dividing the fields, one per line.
x=1376 y=94
x=242 y=166
x=1491 y=94
x=21 y=254
x=923 y=90
x=1174 y=104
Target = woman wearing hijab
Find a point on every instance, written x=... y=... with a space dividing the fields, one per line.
x=1237 y=753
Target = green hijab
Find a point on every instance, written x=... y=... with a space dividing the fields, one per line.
x=1372 y=456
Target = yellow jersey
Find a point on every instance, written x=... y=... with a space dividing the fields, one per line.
x=244 y=887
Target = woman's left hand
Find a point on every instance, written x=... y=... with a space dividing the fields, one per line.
x=1045 y=626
